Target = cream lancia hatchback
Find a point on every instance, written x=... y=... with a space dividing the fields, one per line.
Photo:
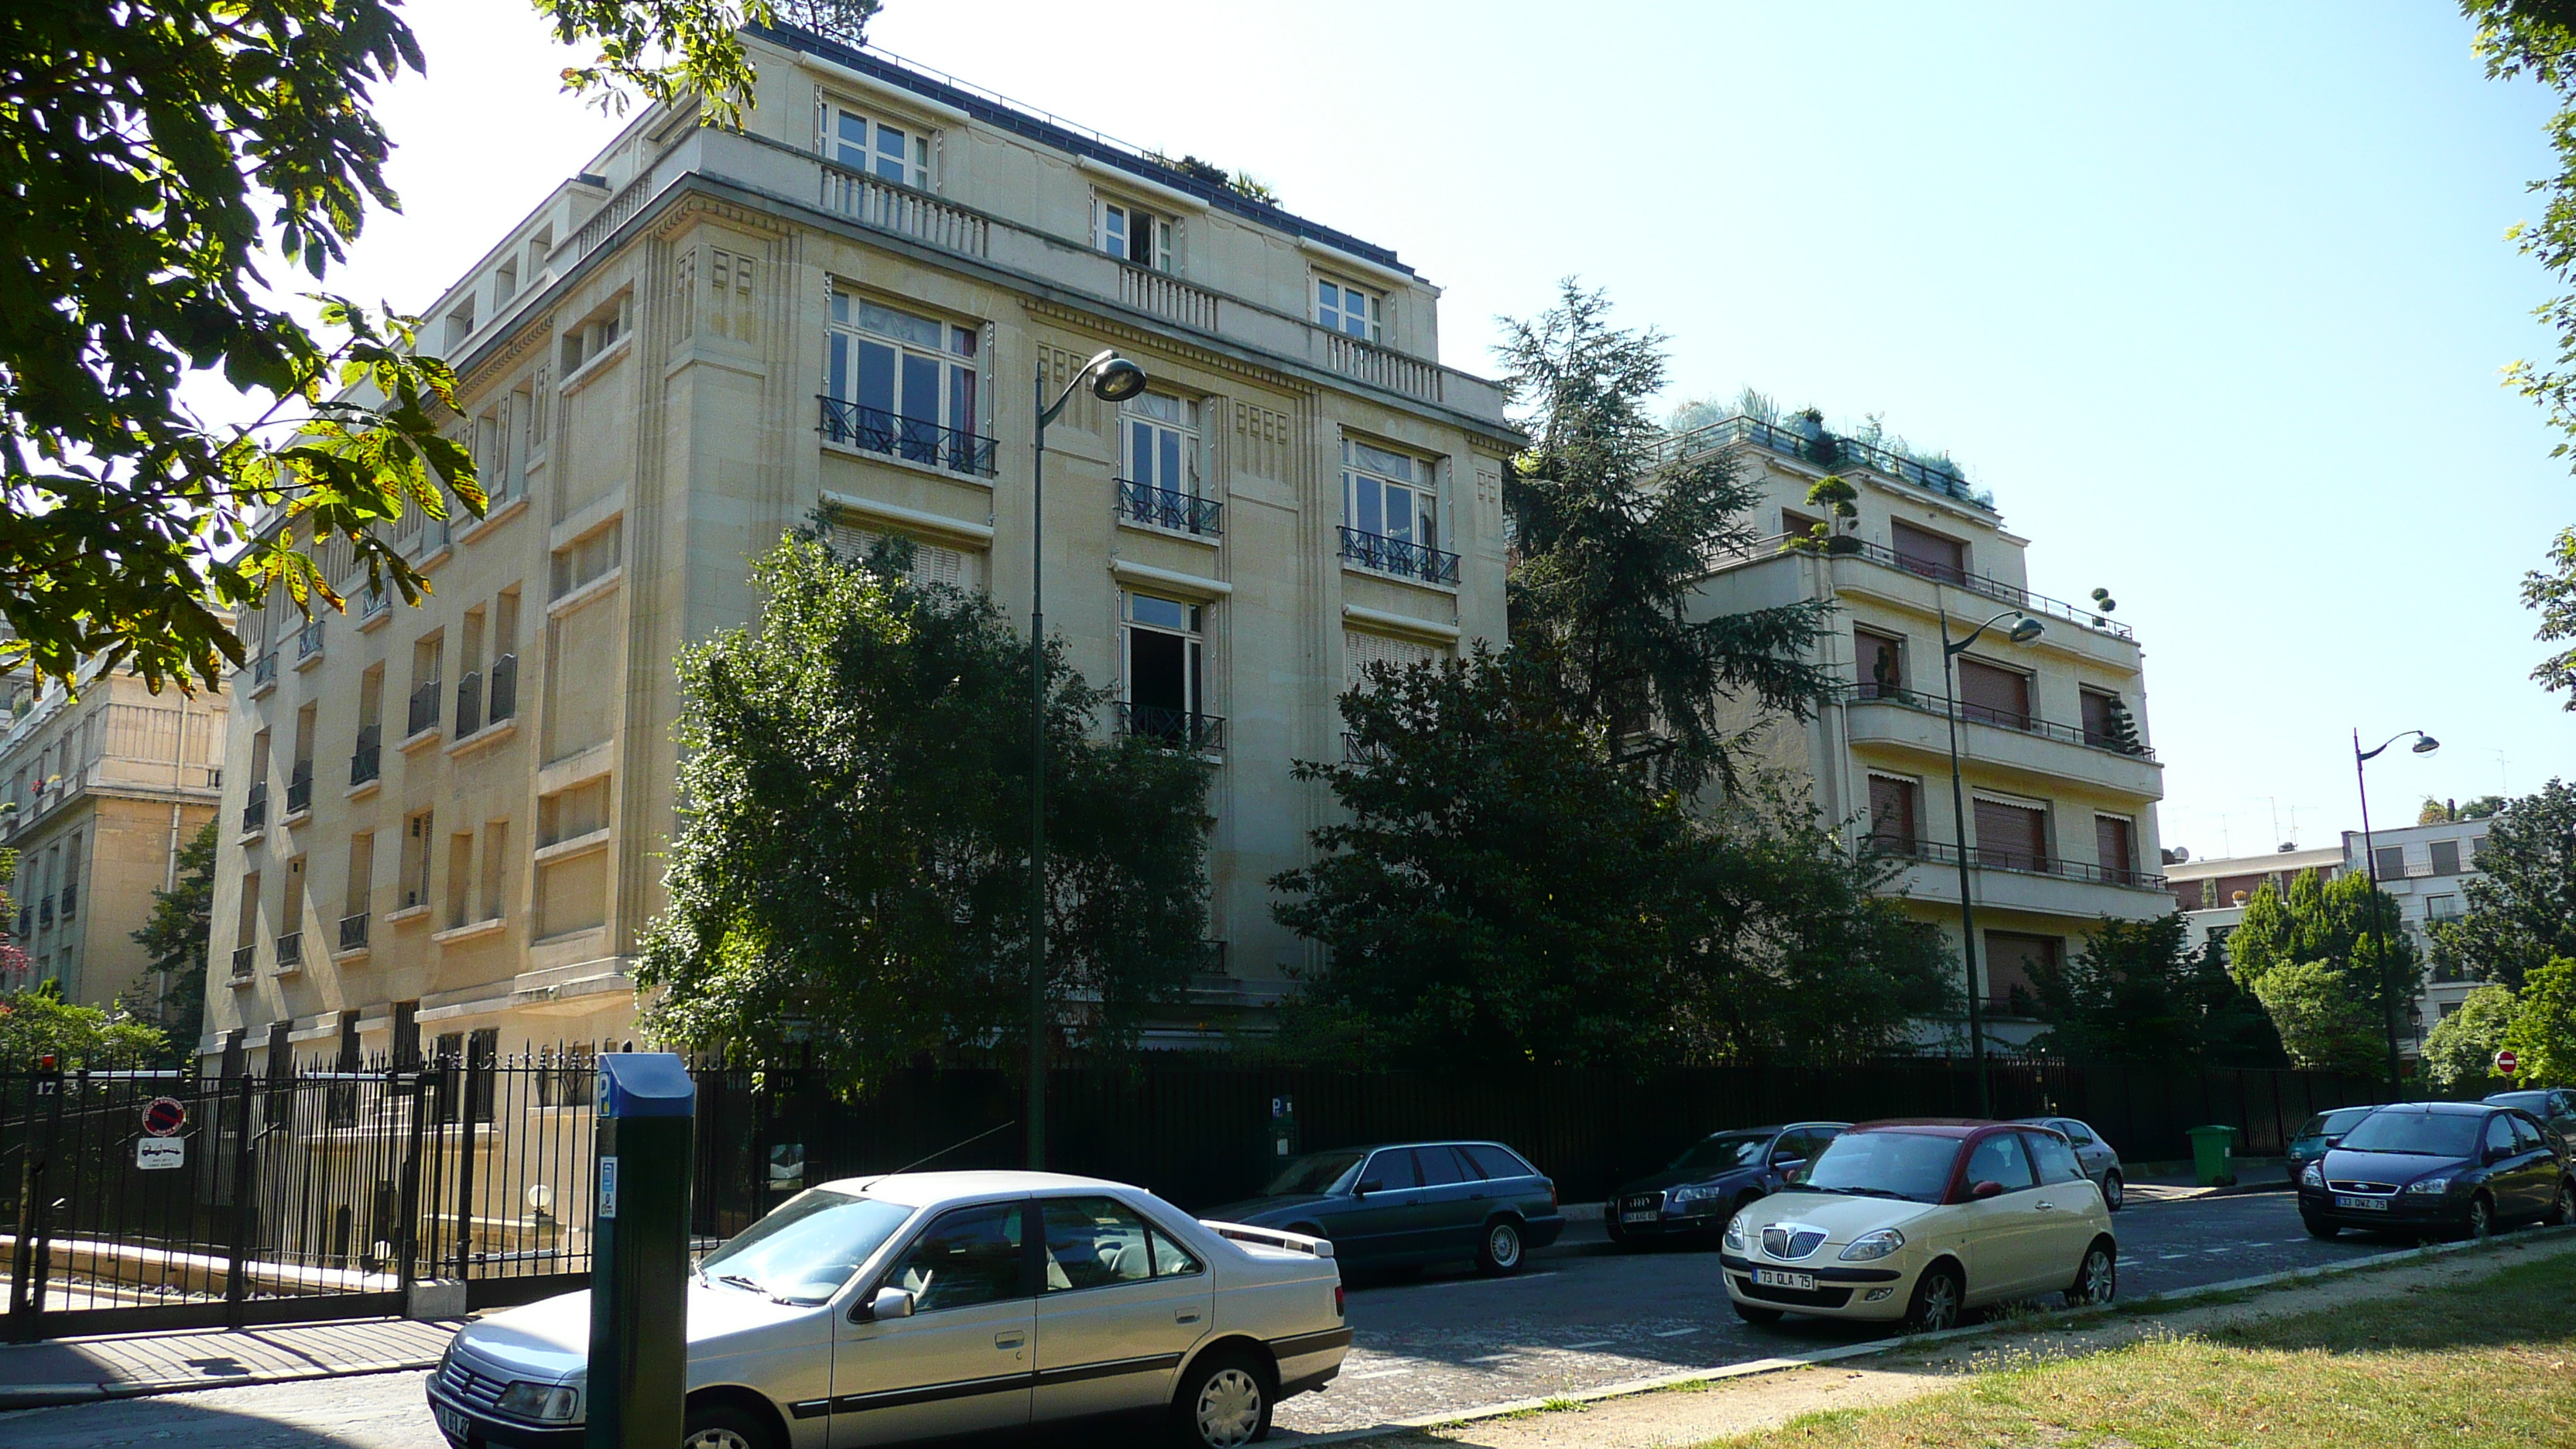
x=1918 y=1221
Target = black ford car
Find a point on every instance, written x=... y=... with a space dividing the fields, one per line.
x=1408 y=1204
x=1712 y=1179
x=2428 y=1168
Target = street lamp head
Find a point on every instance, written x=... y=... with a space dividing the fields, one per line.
x=2427 y=745
x=2025 y=631
x=1114 y=378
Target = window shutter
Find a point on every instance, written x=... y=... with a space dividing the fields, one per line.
x=2112 y=846
x=2012 y=837
x=1361 y=649
x=1891 y=812
x=931 y=563
x=1929 y=553
x=1999 y=696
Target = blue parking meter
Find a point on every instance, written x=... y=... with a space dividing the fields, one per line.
x=639 y=1266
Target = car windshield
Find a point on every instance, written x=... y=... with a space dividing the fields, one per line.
x=1724 y=1152
x=1911 y=1165
x=2327 y=1124
x=2422 y=1134
x=2536 y=1103
x=1314 y=1172
x=808 y=1248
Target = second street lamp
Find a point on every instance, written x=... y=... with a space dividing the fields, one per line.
x=1113 y=379
x=2021 y=633
x=2424 y=745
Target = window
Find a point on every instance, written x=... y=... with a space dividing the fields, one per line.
x=593 y=336
x=1136 y=235
x=2056 y=1159
x=2450 y=1009
x=1994 y=694
x=1097 y=1242
x=2011 y=837
x=2099 y=727
x=904 y=384
x=931 y=563
x=1880 y=658
x=1352 y=311
x=1440 y=1167
x=1160 y=481
x=460 y=878
x=1360 y=649
x=2500 y=1133
x=2526 y=1137
x=968 y=1257
x=1388 y=495
x=1929 y=554
x=2446 y=857
x=1390 y=1170
x=1495 y=1162
x=415 y=860
x=2115 y=847
x=2010 y=957
x=2390 y=861
x=891 y=152
x=1165 y=672
x=496 y=878
x=2001 y=1158
x=1895 y=813
x=591 y=558
x=362 y=879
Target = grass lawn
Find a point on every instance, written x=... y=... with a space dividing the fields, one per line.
x=2489 y=1362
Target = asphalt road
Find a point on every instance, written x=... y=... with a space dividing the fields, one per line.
x=1436 y=1344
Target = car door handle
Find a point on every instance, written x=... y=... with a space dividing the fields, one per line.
x=2047 y=1207
x=1012 y=1339
x=1189 y=1315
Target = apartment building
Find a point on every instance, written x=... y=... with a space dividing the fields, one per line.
x=445 y=824
x=103 y=790
x=2427 y=868
x=2060 y=782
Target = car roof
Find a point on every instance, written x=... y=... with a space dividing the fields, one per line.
x=1426 y=1142
x=1775 y=1127
x=1932 y=1126
x=2438 y=1109
x=926 y=1189
x=2507 y=1099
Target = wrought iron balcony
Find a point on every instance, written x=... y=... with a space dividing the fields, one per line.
x=1204 y=733
x=469 y=703
x=299 y=788
x=874 y=430
x=365 y=761
x=1169 y=508
x=353 y=931
x=1875 y=693
x=263 y=670
x=308 y=640
x=255 y=808
x=44 y=912
x=290 y=950
x=424 y=708
x=70 y=901
x=1354 y=752
x=1400 y=557
x=243 y=957
x=504 y=701
x=2021 y=862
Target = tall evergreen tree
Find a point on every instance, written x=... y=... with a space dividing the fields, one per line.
x=2327 y=925
x=2138 y=993
x=177 y=935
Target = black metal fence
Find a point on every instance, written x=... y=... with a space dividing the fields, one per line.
x=327 y=1190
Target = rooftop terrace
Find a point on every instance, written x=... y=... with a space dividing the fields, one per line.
x=1812 y=442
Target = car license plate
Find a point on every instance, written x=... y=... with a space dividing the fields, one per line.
x=450 y=1422
x=1638 y=1215
x=1774 y=1278
x=2366 y=1204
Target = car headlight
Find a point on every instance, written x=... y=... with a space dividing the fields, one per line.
x=1693 y=1194
x=550 y=1403
x=1735 y=1232
x=2314 y=1174
x=2429 y=1185
x=1870 y=1247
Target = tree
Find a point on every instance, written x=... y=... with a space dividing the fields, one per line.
x=176 y=935
x=2520 y=909
x=2328 y=926
x=2543 y=1034
x=2323 y=1025
x=14 y=961
x=2137 y=993
x=1611 y=536
x=155 y=151
x=2443 y=812
x=852 y=869
x=36 y=1022
x=2460 y=1050
x=1502 y=891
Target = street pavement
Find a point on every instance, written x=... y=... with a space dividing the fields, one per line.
x=1438 y=1343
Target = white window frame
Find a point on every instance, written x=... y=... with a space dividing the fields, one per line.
x=1366 y=468
x=1192 y=631
x=1334 y=313
x=848 y=129
x=1113 y=230
x=857 y=321
x=1149 y=417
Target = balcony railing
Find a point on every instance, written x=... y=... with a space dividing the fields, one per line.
x=299 y=788
x=424 y=708
x=1826 y=450
x=243 y=957
x=1995 y=589
x=469 y=703
x=1357 y=752
x=1167 y=297
x=1169 y=508
x=377 y=601
x=290 y=950
x=308 y=640
x=263 y=670
x=364 y=761
x=70 y=904
x=874 y=430
x=2020 y=862
x=44 y=912
x=1204 y=733
x=887 y=206
x=255 y=809
x=353 y=931
x=1874 y=693
x=1380 y=366
x=504 y=703
x=1404 y=559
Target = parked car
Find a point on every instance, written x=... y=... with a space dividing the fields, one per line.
x=1921 y=1220
x=2554 y=1106
x=2101 y=1161
x=2319 y=1133
x=1713 y=1179
x=2425 y=1168
x=1412 y=1203
x=922 y=1305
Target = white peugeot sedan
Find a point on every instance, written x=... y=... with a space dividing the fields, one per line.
x=916 y=1306
x=1921 y=1220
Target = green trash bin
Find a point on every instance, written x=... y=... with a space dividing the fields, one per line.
x=2213 y=1152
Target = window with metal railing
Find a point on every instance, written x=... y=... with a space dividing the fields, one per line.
x=503 y=702
x=1398 y=557
x=290 y=950
x=353 y=931
x=469 y=703
x=243 y=959
x=255 y=808
x=903 y=384
x=365 y=761
x=263 y=670
x=1158 y=507
x=299 y=788
x=308 y=640
x=70 y=901
x=1204 y=733
x=424 y=707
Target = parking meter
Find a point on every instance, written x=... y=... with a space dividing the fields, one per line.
x=1283 y=1130
x=639 y=1265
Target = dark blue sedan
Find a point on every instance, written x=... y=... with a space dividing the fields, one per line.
x=1713 y=1179
x=1413 y=1203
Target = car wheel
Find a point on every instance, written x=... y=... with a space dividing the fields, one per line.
x=723 y=1426
x=1755 y=1314
x=2097 y=1281
x=1499 y=1253
x=2319 y=1228
x=2115 y=1193
x=2562 y=1210
x=1937 y=1298
x=2481 y=1218
x=1224 y=1403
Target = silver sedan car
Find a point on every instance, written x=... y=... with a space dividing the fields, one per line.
x=916 y=1306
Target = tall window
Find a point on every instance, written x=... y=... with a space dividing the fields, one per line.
x=1881 y=659
x=1134 y=234
x=1388 y=495
x=1895 y=813
x=1164 y=678
x=1159 y=481
x=1350 y=310
x=905 y=384
x=864 y=143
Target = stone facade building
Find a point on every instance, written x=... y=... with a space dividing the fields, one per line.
x=446 y=823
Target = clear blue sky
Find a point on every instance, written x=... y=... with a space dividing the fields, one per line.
x=2213 y=297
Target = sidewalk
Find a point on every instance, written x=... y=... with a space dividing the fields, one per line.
x=81 y=1370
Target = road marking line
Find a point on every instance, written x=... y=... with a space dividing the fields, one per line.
x=1676 y=1332
x=2169 y=1257
x=1493 y=1358
x=1593 y=1343
x=1376 y=1374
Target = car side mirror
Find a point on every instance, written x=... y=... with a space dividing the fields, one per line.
x=889 y=1303
x=1985 y=1190
x=1363 y=1189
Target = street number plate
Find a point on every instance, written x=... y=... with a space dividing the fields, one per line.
x=450 y=1422
x=2366 y=1204
x=1637 y=1217
x=1774 y=1278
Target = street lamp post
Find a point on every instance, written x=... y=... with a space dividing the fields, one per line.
x=2021 y=633
x=2424 y=745
x=1113 y=379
